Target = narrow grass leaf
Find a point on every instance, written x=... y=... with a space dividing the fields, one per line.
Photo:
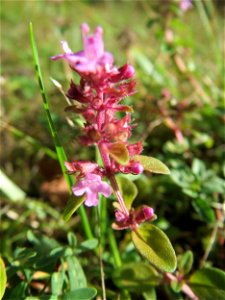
x=59 y=149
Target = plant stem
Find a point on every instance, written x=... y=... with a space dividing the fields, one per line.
x=185 y=288
x=114 y=249
x=100 y=257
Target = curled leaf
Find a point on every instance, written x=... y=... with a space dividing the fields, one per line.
x=119 y=153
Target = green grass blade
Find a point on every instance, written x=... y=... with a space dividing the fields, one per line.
x=59 y=149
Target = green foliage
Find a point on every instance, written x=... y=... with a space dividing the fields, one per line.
x=3 y=278
x=128 y=190
x=208 y=283
x=133 y=275
x=154 y=245
x=49 y=262
x=152 y=164
x=81 y=294
x=185 y=262
x=72 y=205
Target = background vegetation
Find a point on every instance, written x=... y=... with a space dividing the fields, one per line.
x=180 y=71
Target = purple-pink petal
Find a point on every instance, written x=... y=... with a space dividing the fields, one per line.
x=92 y=184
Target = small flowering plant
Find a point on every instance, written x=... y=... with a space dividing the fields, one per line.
x=97 y=97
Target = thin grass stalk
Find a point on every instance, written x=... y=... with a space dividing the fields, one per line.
x=59 y=149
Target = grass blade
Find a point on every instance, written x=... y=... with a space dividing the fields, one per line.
x=59 y=149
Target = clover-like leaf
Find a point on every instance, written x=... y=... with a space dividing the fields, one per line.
x=72 y=205
x=152 y=164
x=119 y=153
x=128 y=190
x=154 y=245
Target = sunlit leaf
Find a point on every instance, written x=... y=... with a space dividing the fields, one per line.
x=71 y=206
x=3 y=278
x=154 y=245
x=128 y=190
x=152 y=164
x=119 y=153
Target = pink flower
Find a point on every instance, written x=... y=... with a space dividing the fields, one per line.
x=92 y=184
x=136 y=216
x=92 y=58
x=185 y=5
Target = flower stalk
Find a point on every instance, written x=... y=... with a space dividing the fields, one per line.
x=107 y=125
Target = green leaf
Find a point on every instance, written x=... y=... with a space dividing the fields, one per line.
x=133 y=275
x=154 y=245
x=89 y=244
x=185 y=262
x=128 y=189
x=81 y=294
x=72 y=205
x=208 y=283
x=77 y=278
x=150 y=295
x=204 y=210
x=119 y=153
x=57 y=283
x=152 y=164
x=3 y=278
x=72 y=240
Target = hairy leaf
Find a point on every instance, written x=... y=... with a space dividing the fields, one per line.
x=153 y=244
x=152 y=164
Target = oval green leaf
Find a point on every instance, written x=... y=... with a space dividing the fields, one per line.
x=2 y=278
x=155 y=246
x=208 y=283
x=128 y=189
x=133 y=275
x=119 y=153
x=152 y=164
x=71 y=206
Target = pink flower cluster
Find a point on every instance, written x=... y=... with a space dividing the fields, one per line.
x=97 y=98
